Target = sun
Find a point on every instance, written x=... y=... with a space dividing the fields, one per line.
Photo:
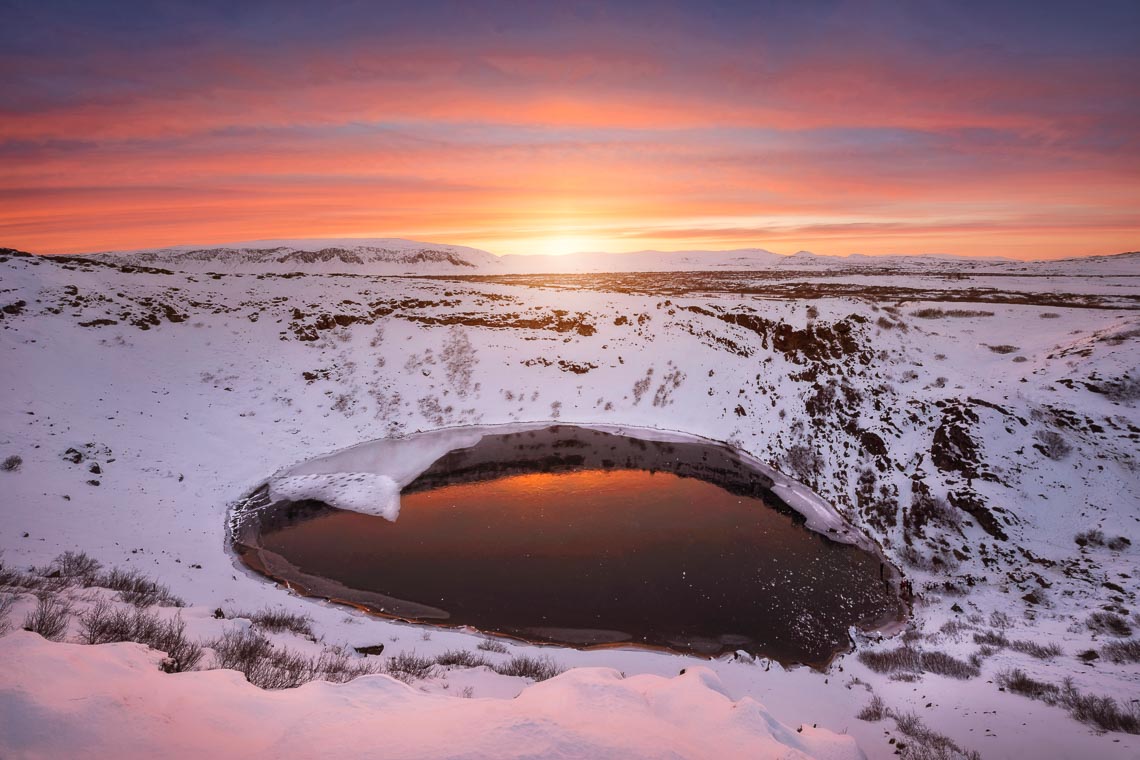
x=560 y=245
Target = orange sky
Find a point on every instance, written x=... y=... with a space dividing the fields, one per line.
x=834 y=129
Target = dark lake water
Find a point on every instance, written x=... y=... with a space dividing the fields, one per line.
x=581 y=537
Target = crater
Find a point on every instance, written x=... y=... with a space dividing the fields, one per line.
x=576 y=536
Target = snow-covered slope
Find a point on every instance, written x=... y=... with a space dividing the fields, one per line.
x=317 y=255
x=972 y=437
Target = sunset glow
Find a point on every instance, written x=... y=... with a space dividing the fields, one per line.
x=837 y=127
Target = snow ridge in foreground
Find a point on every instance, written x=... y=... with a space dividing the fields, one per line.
x=113 y=701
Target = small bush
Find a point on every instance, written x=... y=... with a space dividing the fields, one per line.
x=1000 y=620
x=943 y=664
x=12 y=463
x=1109 y=623
x=928 y=744
x=991 y=639
x=461 y=658
x=1090 y=538
x=49 y=618
x=940 y=313
x=873 y=711
x=523 y=666
x=1033 y=649
x=336 y=666
x=278 y=620
x=409 y=666
x=1049 y=315
x=493 y=645
x=906 y=659
x=1053 y=445
x=104 y=623
x=1118 y=544
x=254 y=656
x=268 y=667
x=74 y=566
x=1103 y=712
x=1017 y=681
x=953 y=628
x=1003 y=348
x=136 y=588
x=6 y=603
x=925 y=507
x=1121 y=652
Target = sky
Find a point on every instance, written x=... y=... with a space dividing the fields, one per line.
x=972 y=128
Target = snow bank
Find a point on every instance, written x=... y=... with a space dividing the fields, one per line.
x=361 y=492
x=70 y=700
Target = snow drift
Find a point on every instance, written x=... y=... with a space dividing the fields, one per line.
x=64 y=700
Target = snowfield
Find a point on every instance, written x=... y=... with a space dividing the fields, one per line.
x=971 y=420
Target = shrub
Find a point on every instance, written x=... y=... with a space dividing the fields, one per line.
x=1090 y=538
x=409 y=666
x=873 y=711
x=523 y=666
x=1103 y=712
x=1110 y=623
x=931 y=313
x=49 y=618
x=1049 y=315
x=1053 y=445
x=910 y=660
x=928 y=745
x=1033 y=649
x=1000 y=620
x=1118 y=544
x=278 y=620
x=925 y=507
x=254 y=656
x=943 y=664
x=461 y=658
x=1122 y=389
x=12 y=463
x=136 y=588
x=1003 y=348
x=1121 y=652
x=802 y=462
x=992 y=639
x=104 y=623
x=6 y=603
x=74 y=566
x=493 y=645
x=268 y=667
x=1017 y=681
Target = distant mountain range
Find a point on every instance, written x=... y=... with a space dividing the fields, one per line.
x=329 y=255
x=398 y=256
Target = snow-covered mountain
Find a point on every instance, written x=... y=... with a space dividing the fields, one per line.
x=316 y=256
x=759 y=259
x=392 y=256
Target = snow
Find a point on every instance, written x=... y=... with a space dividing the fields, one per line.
x=186 y=417
x=113 y=701
x=362 y=492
